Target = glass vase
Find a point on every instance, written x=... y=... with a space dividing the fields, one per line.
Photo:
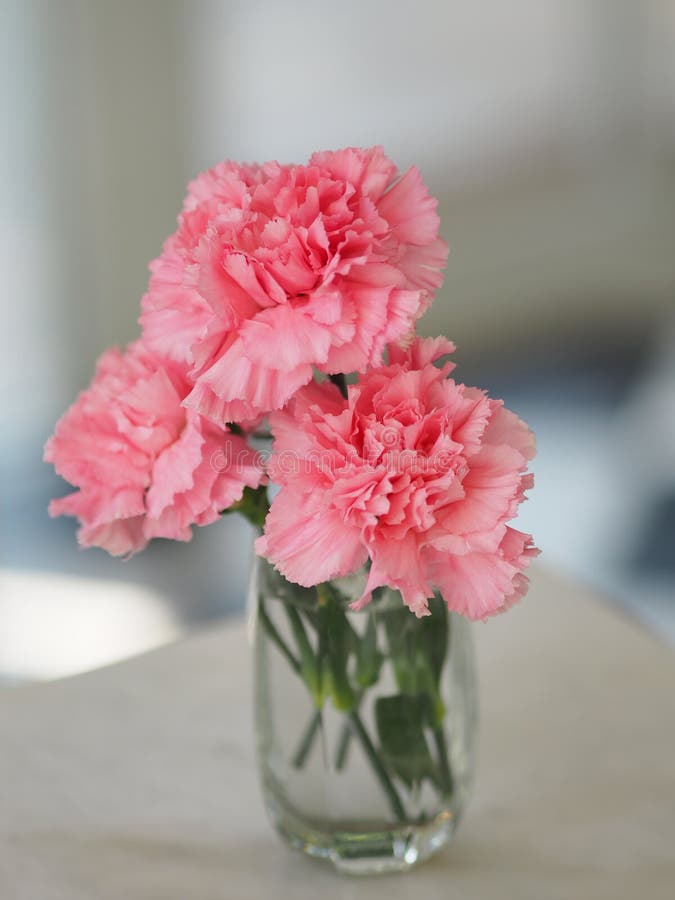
x=365 y=721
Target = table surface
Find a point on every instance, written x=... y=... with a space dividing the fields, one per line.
x=139 y=781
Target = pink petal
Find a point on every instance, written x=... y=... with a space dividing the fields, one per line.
x=421 y=352
x=475 y=585
x=174 y=317
x=370 y=169
x=506 y=428
x=422 y=266
x=233 y=388
x=410 y=210
x=285 y=338
x=173 y=470
x=490 y=485
x=119 y=538
x=398 y=564
x=307 y=542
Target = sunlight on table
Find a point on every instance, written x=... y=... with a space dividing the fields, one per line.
x=53 y=625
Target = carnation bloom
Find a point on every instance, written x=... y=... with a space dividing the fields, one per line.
x=278 y=269
x=413 y=471
x=144 y=465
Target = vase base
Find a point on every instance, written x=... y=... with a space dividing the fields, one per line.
x=366 y=852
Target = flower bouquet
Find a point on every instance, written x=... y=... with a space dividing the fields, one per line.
x=287 y=300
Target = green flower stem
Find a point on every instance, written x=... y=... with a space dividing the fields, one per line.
x=309 y=668
x=313 y=727
x=378 y=766
x=276 y=638
x=345 y=740
x=343 y=747
x=443 y=762
x=310 y=664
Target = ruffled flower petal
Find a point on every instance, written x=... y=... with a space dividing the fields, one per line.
x=413 y=471
x=275 y=271
x=308 y=548
x=144 y=466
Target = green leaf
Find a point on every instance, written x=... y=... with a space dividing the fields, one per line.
x=427 y=684
x=399 y=625
x=434 y=635
x=293 y=594
x=254 y=506
x=274 y=636
x=335 y=645
x=400 y=721
x=368 y=657
x=309 y=666
x=418 y=650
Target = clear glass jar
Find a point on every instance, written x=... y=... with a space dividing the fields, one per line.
x=365 y=721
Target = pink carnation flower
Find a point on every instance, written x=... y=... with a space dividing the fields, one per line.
x=414 y=471
x=277 y=269
x=144 y=465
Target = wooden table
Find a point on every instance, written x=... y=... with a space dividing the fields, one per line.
x=138 y=780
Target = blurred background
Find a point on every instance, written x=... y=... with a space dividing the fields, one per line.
x=545 y=127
